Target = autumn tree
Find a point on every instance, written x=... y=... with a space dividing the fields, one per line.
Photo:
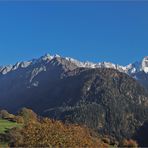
x=129 y=143
x=4 y=114
x=27 y=115
x=50 y=133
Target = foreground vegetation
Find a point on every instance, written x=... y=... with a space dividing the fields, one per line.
x=28 y=130
x=6 y=125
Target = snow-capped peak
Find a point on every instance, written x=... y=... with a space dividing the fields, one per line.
x=129 y=69
x=47 y=57
x=138 y=66
x=144 y=64
x=6 y=69
x=57 y=56
x=88 y=64
x=25 y=64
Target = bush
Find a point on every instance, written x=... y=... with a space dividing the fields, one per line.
x=106 y=140
x=129 y=143
x=27 y=115
x=5 y=115
x=19 y=119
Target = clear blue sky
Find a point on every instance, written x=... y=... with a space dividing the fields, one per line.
x=94 y=31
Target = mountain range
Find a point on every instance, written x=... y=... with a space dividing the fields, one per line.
x=129 y=69
x=138 y=70
x=109 y=98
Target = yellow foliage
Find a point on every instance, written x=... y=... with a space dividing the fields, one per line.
x=129 y=143
x=50 y=133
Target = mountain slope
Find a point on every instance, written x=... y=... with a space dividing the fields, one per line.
x=19 y=86
x=103 y=98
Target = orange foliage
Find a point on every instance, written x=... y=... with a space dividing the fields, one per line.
x=49 y=133
x=27 y=115
x=19 y=119
x=129 y=143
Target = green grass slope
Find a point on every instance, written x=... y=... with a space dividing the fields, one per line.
x=4 y=126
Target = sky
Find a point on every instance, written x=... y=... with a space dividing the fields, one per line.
x=88 y=31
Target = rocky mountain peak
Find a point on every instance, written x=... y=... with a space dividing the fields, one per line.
x=129 y=69
x=144 y=64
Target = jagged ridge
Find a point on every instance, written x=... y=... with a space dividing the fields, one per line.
x=129 y=69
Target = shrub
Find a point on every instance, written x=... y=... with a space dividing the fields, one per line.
x=19 y=119
x=27 y=115
x=129 y=143
x=6 y=115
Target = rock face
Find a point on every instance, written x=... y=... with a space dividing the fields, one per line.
x=27 y=86
x=142 y=74
x=109 y=101
x=145 y=64
x=142 y=78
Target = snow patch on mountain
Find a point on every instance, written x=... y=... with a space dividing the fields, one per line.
x=144 y=65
